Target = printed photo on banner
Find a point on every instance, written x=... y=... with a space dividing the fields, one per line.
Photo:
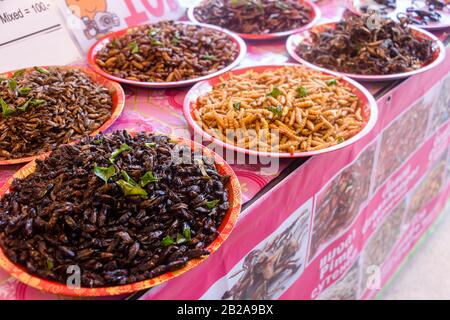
x=441 y=107
x=428 y=187
x=272 y=266
x=401 y=138
x=379 y=246
x=339 y=202
x=90 y=20
x=347 y=288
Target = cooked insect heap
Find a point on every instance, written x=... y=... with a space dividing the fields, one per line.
x=254 y=16
x=115 y=205
x=167 y=51
x=48 y=107
x=353 y=47
x=286 y=109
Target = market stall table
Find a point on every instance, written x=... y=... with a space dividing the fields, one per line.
x=335 y=226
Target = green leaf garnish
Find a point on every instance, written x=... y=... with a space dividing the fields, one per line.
x=117 y=152
x=147 y=178
x=237 y=106
x=131 y=190
x=114 y=42
x=104 y=173
x=97 y=141
x=24 y=107
x=127 y=178
x=236 y=2
x=276 y=110
x=156 y=42
x=187 y=232
x=340 y=139
x=209 y=57
x=176 y=37
x=153 y=32
x=167 y=241
x=212 y=204
x=6 y=110
x=37 y=102
x=331 y=82
x=180 y=239
x=24 y=90
x=12 y=84
x=18 y=73
x=150 y=144
x=42 y=70
x=134 y=47
x=50 y=264
x=275 y=93
x=301 y=92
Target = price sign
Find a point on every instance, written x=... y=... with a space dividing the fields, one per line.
x=33 y=33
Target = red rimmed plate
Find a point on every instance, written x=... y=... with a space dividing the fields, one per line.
x=229 y=221
x=370 y=112
x=306 y=36
x=355 y=7
x=118 y=103
x=315 y=17
x=100 y=44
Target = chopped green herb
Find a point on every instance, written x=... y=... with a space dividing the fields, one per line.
x=275 y=93
x=331 y=82
x=12 y=84
x=50 y=264
x=117 y=152
x=97 y=141
x=24 y=107
x=187 y=232
x=237 y=106
x=208 y=56
x=114 y=42
x=24 y=90
x=150 y=144
x=260 y=7
x=180 y=239
x=153 y=32
x=134 y=47
x=37 y=102
x=301 y=92
x=167 y=241
x=6 y=110
x=212 y=204
x=127 y=178
x=104 y=173
x=131 y=190
x=340 y=139
x=276 y=110
x=175 y=40
x=42 y=70
x=157 y=42
x=18 y=73
x=147 y=178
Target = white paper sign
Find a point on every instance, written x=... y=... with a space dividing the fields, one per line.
x=33 y=33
